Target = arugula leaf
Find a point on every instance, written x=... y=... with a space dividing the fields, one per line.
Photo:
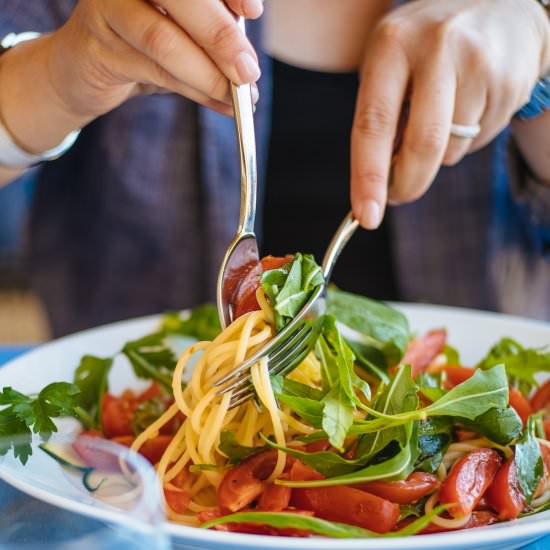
x=91 y=377
x=323 y=527
x=337 y=415
x=452 y=355
x=499 y=425
x=286 y=520
x=430 y=386
x=202 y=323
x=434 y=437
x=151 y=358
x=521 y=364
x=400 y=396
x=384 y=328
x=328 y=463
x=485 y=390
x=282 y=385
x=234 y=451
x=528 y=459
x=290 y=287
x=22 y=414
x=370 y=360
x=397 y=467
x=309 y=409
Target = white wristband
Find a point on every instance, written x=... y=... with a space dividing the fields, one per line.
x=11 y=155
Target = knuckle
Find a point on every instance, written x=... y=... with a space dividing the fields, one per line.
x=374 y=119
x=217 y=87
x=428 y=139
x=223 y=34
x=479 y=61
x=390 y=31
x=371 y=179
x=158 y=41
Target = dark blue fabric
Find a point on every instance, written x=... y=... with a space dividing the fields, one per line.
x=135 y=218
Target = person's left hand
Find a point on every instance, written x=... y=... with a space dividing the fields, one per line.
x=463 y=61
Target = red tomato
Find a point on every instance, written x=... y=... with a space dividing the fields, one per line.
x=317 y=446
x=541 y=397
x=423 y=350
x=177 y=492
x=177 y=499
x=469 y=479
x=247 y=281
x=301 y=472
x=520 y=404
x=244 y=297
x=348 y=505
x=457 y=375
x=152 y=449
x=117 y=412
x=547 y=428
x=245 y=483
x=406 y=491
x=274 y=498
x=116 y=415
x=504 y=494
x=152 y=391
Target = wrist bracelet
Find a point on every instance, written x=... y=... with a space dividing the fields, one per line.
x=11 y=154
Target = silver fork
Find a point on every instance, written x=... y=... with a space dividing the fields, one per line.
x=242 y=252
x=291 y=346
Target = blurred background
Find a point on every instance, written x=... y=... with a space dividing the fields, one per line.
x=22 y=318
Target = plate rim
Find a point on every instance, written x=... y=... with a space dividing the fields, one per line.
x=499 y=533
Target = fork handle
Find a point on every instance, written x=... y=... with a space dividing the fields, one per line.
x=244 y=124
x=341 y=237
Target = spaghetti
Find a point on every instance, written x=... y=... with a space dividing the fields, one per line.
x=207 y=414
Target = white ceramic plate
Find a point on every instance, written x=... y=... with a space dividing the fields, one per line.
x=472 y=332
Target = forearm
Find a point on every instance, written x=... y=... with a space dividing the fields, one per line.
x=532 y=140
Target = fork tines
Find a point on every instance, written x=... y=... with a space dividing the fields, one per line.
x=282 y=356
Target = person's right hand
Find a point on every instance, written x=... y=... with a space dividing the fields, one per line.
x=110 y=50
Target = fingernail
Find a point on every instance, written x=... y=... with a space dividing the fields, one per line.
x=253 y=8
x=370 y=214
x=255 y=93
x=247 y=68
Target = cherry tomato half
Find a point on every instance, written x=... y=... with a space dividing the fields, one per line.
x=246 y=283
x=504 y=494
x=406 y=491
x=456 y=375
x=520 y=404
x=424 y=349
x=468 y=480
x=541 y=397
x=348 y=505
x=274 y=498
x=245 y=483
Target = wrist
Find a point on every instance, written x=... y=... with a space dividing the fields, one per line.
x=30 y=108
